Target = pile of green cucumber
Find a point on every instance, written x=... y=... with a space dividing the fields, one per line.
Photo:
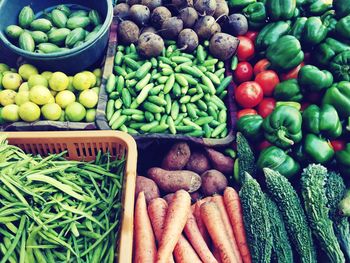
x=55 y=31
x=175 y=93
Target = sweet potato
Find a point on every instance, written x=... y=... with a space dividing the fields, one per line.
x=220 y=162
x=213 y=182
x=172 y=181
x=198 y=163
x=148 y=186
x=177 y=157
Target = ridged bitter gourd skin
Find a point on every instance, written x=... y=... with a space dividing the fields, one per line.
x=256 y=220
x=246 y=159
x=288 y=202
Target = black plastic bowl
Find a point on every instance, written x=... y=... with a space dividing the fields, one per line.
x=70 y=61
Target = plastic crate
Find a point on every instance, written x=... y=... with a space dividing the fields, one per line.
x=102 y=122
x=84 y=146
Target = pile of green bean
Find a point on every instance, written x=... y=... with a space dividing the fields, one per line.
x=53 y=210
x=175 y=93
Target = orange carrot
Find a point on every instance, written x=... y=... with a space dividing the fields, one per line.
x=234 y=211
x=201 y=226
x=145 y=244
x=195 y=237
x=157 y=210
x=175 y=221
x=219 y=201
x=212 y=219
x=184 y=252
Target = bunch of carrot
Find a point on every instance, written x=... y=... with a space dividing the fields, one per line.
x=209 y=231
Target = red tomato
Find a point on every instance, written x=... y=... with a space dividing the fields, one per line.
x=245 y=50
x=243 y=72
x=267 y=80
x=244 y=112
x=263 y=145
x=249 y=94
x=261 y=66
x=338 y=145
x=266 y=106
x=293 y=73
x=252 y=35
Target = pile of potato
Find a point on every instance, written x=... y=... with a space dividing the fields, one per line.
x=200 y=172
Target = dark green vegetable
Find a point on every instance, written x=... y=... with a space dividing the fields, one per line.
x=246 y=159
x=343 y=161
x=326 y=51
x=251 y=127
x=270 y=33
x=288 y=202
x=339 y=66
x=313 y=182
x=314 y=32
x=256 y=15
x=342 y=8
x=288 y=90
x=280 y=9
x=311 y=78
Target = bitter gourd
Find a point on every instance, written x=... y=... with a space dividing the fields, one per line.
x=246 y=159
x=286 y=198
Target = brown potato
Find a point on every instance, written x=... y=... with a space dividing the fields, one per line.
x=213 y=182
x=220 y=162
x=177 y=157
x=148 y=186
x=172 y=181
x=198 y=163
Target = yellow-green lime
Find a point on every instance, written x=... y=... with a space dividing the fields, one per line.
x=11 y=81
x=40 y=95
x=88 y=98
x=35 y=80
x=90 y=115
x=26 y=70
x=92 y=78
x=96 y=89
x=64 y=98
x=98 y=73
x=7 y=97
x=4 y=67
x=62 y=117
x=59 y=81
x=70 y=85
x=10 y=113
x=47 y=74
x=75 y=112
x=29 y=112
x=51 y=111
x=81 y=81
x=22 y=97
x=24 y=87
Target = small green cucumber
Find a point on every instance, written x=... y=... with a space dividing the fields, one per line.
x=74 y=36
x=39 y=37
x=59 y=18
x=65 y=9
x=26 y=17
x=78 y=21
x=41 y=24
x=14 y=31
x=95 y=17
x=26 y=42
x=59 y=36
x=48 y=48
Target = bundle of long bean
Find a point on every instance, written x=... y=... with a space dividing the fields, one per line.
x=53 y=210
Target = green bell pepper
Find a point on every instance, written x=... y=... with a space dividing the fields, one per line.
x=318 y=149
x=288 y=90
x=278 y=160
x=311 y=78
x=283 y=126
x=324 y=120
x=342 y=8
x=280 y=9
x=339 y=96
x=329 y=20
x=326 y=51
x=256 y=15
x=298 y=27
x=318 y=7
x=270 y=33
x=340 y=66
x=251 y=127
x=285 y=53
x=314 y=32
x=343 y=159
x=342 y=28
x=240 y=4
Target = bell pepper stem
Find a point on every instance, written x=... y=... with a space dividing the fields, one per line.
x=281 y=134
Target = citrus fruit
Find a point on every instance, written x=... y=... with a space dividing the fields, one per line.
x=35 y=80
x=92 y=78
x=26 y=70
x=81 y=81
x=88 y=98
x=2 y=121
x=47 y=74
x=29 y=112
x=97 y=72
x=51 y=111
x=96 y=89
x=7 y=97
x=59 y=81
x=75 y=112
x=4 y=67
x=90 y=115
x=11 y=81
x=63 y=116
x=53 y=92
x=24 y=87
x=10 y=113
x=65 y=97
x=40 y=95
x=22 y=97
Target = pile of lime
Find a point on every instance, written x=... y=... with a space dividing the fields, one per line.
x=29 y=96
